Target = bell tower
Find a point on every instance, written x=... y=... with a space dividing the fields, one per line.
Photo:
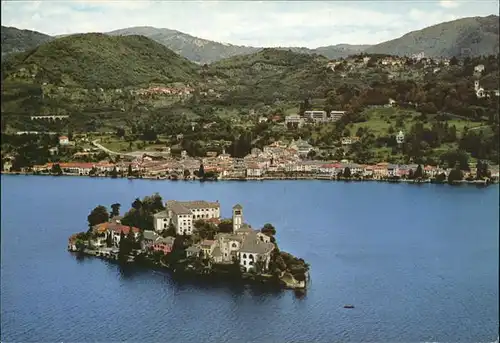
x=237 y=217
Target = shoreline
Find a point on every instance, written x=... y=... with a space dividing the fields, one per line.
x=267 y=280
x=271 y=178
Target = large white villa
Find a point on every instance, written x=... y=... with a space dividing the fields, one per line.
x=182 y=214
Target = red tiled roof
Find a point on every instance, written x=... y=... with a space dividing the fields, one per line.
x=100 y=228
x=213 y=220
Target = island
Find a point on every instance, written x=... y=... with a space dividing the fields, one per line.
x=190 y=238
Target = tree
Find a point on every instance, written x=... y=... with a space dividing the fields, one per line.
x=187 y=173
x=347 y=172
x=115 y=210
x=137 y=204
x=109 y=241
x=201 y=172
x=418 y=172
x=97 y=216
x=129 y=172
x=411 y=176
x=56 y=169
x=114 y=173
x=453 y=61
x=124 y=248
x=226 y=225
x=482 y=170
x=170 y=231
x=120 y=132
x=268 y=230
x=455 y=175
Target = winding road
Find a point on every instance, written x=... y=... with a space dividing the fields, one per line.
x=133 y=154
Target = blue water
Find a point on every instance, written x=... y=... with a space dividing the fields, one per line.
x=420 y=263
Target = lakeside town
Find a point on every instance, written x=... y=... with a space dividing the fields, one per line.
x=189 y=236
x=279 y=160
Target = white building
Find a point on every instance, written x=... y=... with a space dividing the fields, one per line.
x=479 y=68
x=480 y=92
x=63 y=140
x=336 y=115
x=400 y=137
x=183 y=214
x=294 y=120
x=254 y=171
x=161 y=220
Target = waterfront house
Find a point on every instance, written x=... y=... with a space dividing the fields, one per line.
x=115 y=230
x=328 y=168
x=75 y=168
x=163 y=244
x=148 y=238
x=380 y=170
x=392 y=170
x=368 y=171
x=207 y=247
x=253 y=170
x=193 y=250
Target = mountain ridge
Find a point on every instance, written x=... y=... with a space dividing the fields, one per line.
x=475 y=35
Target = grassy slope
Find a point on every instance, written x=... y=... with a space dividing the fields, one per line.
x=96 y=60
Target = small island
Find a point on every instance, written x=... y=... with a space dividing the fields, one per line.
x=190 y=238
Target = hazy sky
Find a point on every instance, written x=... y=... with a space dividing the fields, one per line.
x=257 y=23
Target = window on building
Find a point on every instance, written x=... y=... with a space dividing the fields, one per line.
x=244 y=255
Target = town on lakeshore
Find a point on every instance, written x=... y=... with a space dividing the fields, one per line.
x=278 y=160
x=361 y=117
x=190 y=237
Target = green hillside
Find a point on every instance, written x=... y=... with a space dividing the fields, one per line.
x=15 y=40
x=474 y=36
x=96 y=60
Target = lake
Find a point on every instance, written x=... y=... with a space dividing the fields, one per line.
x=418 y=262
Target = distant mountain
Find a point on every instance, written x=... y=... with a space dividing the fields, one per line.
x=205 y=51
x=96 y=60
x=15 y=40
x=473 y=36
x=193 y=48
